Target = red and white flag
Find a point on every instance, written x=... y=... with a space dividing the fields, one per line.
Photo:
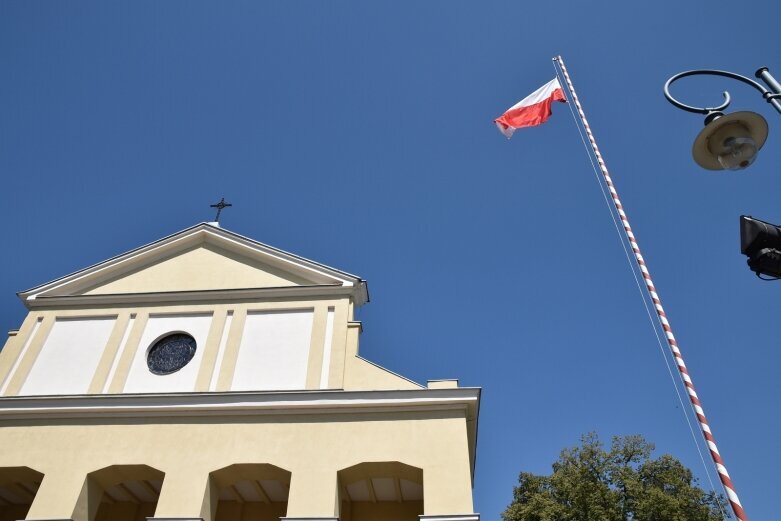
x=533 y=110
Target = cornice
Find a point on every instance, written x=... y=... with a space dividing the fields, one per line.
x=320 y=274
x=196 y=296
x=237 y=403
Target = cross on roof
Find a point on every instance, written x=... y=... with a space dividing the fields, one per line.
x=222 y=204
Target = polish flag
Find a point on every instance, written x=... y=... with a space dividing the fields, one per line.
x=533 y=110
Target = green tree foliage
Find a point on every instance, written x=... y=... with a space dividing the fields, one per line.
x=590 y=483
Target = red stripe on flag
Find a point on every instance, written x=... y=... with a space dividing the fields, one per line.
x=530 y=115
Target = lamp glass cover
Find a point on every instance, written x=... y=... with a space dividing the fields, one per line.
x=738 y=153
x=730 y=142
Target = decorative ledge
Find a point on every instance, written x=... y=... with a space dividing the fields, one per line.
x=207 y=295
x=237 y=403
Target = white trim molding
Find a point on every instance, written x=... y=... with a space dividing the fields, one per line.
x=237 y=403
x=320 y=275
x=451 y=517
x=207 y=295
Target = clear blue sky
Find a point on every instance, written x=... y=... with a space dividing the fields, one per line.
x=360 y=134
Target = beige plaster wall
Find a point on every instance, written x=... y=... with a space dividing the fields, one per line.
x=361 y=374
x=312 y=447
x=203 y=267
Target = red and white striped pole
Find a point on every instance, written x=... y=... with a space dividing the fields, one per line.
x=737 y=508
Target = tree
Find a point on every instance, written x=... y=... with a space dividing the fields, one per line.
x=589 y=483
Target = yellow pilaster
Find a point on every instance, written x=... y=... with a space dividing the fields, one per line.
x=316 y=345
x=313 y=493
x=211 y=350
x=14 y=345
x=225 y=378
x=126 y=356
x=338 y=347
x=187 y=493
x=66 y=495
x=113 y=345
x=447 y=483
x=26 y=363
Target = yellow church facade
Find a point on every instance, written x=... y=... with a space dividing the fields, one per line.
x=207 y=376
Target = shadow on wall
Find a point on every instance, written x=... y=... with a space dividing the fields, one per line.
x=249 y=492
x=120 y=493
x=380 y=491
x=18 y=486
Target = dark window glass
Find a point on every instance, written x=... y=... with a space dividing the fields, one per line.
x=171 y=353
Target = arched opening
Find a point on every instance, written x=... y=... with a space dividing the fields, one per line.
x=250 y=492
x=124 y=492
x=18 y=486
x=380 y=491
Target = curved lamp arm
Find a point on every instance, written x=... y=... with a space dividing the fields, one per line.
x=709 y=72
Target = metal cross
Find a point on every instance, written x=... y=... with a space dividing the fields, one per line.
x=222 y=204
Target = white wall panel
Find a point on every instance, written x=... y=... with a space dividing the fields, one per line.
x=142 y=380
x=274 y=351
x=69 y=357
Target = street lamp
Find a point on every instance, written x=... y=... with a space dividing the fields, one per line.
x=729 y=141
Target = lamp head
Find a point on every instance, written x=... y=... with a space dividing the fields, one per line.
x=760 y=241
x=730 y=142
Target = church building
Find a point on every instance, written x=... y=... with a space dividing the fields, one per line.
x=207 y=376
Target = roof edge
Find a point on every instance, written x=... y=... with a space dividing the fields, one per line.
x=175 y=297
x=361 y=296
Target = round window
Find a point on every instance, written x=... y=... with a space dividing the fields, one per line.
x=171 y=353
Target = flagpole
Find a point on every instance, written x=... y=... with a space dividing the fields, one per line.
x=737 y=508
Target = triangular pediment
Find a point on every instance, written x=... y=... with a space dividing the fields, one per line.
x=204 y=258
x=203 y=267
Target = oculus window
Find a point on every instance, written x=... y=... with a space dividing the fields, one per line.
x=170 y=353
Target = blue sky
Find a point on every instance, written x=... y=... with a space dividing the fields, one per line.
x=360 y=135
